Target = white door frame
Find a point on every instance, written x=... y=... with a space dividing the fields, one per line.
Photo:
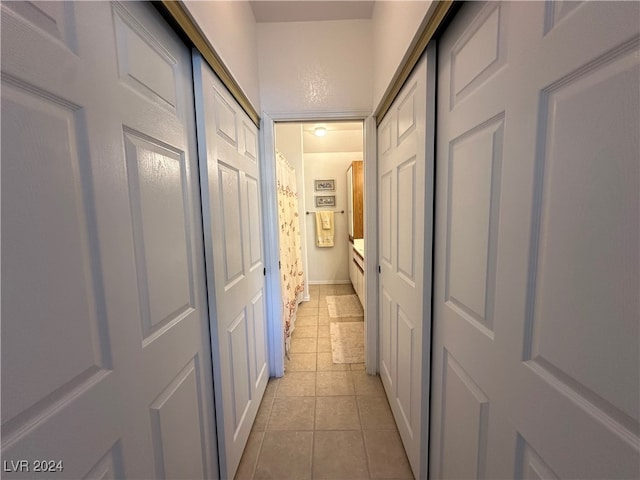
x=271 y=245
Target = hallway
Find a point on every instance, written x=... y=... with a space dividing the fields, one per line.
x=323 y=420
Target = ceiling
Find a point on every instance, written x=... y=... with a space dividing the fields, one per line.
x=340 y=137
x=266 y=11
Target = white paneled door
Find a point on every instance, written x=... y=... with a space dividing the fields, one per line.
x=106 y=368
x=405 y=194
x=536 y=304
x=230 y=176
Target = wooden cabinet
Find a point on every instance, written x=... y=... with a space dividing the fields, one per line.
x=355 y=199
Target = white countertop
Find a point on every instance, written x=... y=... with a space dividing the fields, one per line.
x=358 y=246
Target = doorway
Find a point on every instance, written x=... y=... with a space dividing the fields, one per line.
x=323 y=418
x=320 y=194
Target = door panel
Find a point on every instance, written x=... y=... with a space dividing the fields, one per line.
x=160 y=232
x=467 y=410
x=105 y=354
x=406 y=233
x=176 y=418
x=229 y=168
x=37 y=255
x=537 y=251
x=474 y=192
x=404 y=203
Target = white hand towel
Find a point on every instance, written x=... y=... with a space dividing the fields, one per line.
x=324 y=237
x=327 y=220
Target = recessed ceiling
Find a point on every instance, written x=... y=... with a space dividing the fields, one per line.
x=340 y=137
x=309 y=127
x=266 y=11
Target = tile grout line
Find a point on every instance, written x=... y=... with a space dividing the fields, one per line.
x=264 y=434
x=255 y=464
x=315 y=399
x=364 y=444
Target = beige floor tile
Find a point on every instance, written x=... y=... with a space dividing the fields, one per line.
x=307 y=313
x=387 y=458
x=325 y=363
x=262 y=417
x=324 y=331
x=297 y=384
x=303 y=345
x=312 y=302
x=354 y=434
x=292 y=413
x=337 y=413
x=348 y=319
x=314 y=288
x=300 y=362
x=306 y=306
x=346 y=289
x=249 y=456
x=339 y=455
x=367 y=384
x=305 y=331
x=285 y=455
x=375 y=413
x=334 y=383
x=307 y=321
x=327 y=289
x=324 y=344
x=272 y=386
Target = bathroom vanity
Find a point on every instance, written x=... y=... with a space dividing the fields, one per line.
x=356 y=267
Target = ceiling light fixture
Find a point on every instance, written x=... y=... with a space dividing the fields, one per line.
x=320 y=131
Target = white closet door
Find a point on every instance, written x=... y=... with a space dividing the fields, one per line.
x=536 y=334
x=105 y=355
x=230 y=173
x=405 y=182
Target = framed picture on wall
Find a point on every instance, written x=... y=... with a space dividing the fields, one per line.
x=325 y=185
x=325 y=200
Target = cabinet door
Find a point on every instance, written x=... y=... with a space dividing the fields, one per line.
x=350 y=202
x=354 y=270
x=356 y=198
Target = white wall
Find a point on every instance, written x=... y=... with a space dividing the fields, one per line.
x=231 y=29
x=311 y=68
x=315 y=67
x=328 y=265
x=394 y=25
x=289 y=144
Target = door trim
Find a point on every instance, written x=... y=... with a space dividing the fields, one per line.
x=270 y=213
x=371 y=327
x=271 y=246
x=437 y=13
x=178 y=16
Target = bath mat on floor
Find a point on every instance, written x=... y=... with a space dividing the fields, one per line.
x=344 y=306
x=347 y=342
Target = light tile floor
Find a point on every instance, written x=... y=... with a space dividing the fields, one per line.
x=323 y=421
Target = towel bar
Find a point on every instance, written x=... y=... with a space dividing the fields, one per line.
x=334 y=211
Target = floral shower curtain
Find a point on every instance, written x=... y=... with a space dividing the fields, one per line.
x=291 y=274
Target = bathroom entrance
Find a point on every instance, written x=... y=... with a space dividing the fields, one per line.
x=320 y=189
x=326 y=417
